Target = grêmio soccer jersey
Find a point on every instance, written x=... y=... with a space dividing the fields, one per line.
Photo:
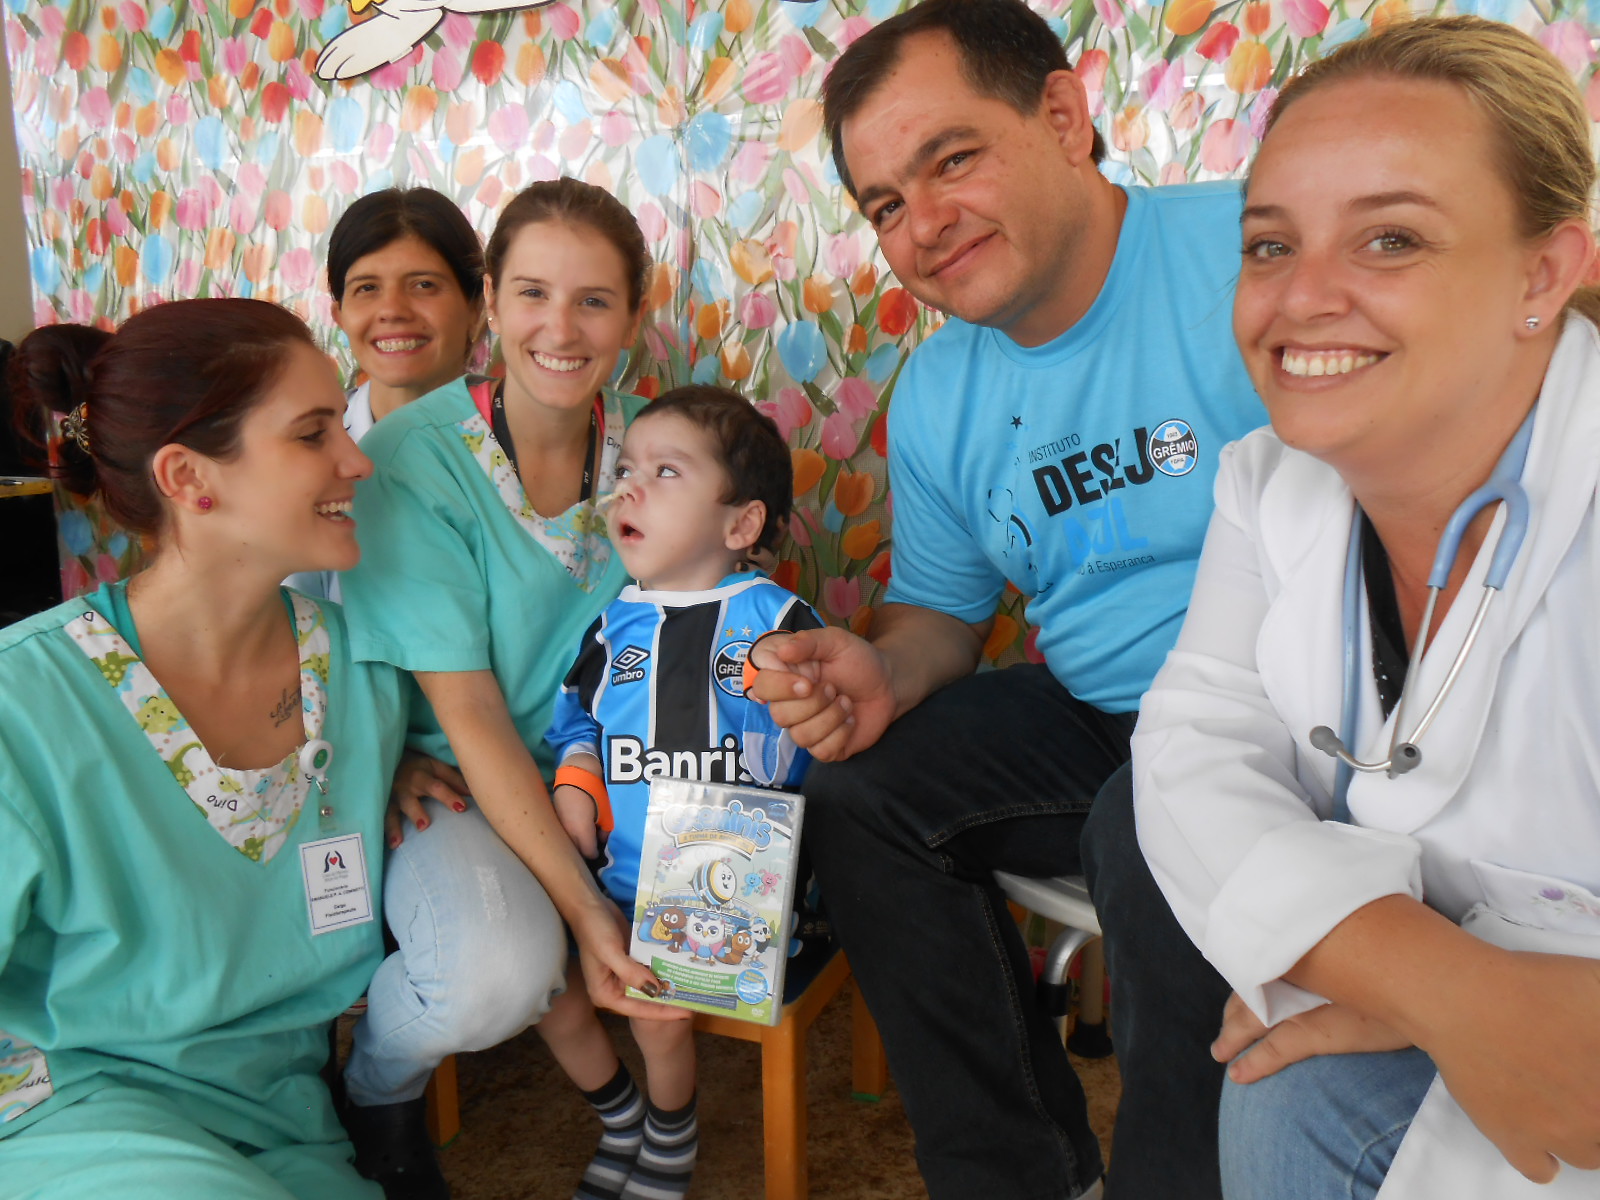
x=657 y=689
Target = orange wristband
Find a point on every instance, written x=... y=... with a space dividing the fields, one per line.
x=748 y=679
x=594 y=787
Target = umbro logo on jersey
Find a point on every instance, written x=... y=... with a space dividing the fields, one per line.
x=628 y=665
x=630 y=658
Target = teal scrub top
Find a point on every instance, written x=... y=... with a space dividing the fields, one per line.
x=137 y=947
x=458 y=573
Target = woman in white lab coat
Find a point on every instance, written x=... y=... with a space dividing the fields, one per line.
x=1417 y=1001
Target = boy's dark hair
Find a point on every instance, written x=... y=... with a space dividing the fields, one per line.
x=748 y=445
x=1007 y=51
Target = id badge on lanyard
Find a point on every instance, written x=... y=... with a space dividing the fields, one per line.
x=335 y=868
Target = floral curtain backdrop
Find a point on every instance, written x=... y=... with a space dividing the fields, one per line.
x=192 y=148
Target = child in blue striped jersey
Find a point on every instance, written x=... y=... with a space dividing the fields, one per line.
x=704 y=482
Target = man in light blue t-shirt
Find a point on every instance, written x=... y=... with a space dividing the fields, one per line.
x=1059 y=433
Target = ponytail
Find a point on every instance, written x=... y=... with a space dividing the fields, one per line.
x=185 y=372
x=48 y=381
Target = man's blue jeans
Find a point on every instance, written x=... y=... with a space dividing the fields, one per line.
x=996 y=771
x=1166 y=1009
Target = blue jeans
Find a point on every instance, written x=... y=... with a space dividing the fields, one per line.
x=1166 y=1008
x=482 y=954
x=995 y=771
x=1326 y=1128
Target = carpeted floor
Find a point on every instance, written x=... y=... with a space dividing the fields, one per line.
x=526 y=1133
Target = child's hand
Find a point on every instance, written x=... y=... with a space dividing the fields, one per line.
x=575 y=809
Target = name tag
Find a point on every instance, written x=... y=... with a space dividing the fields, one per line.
x=336 y=882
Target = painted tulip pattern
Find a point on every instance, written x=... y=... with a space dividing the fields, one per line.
x=204 y=147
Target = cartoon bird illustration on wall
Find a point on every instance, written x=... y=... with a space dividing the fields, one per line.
x=394 y=30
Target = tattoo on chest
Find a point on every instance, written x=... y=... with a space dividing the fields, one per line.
x=287 y=707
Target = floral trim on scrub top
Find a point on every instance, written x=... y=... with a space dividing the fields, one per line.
x=24 y=1077
x=576 y=538
x=253 y=810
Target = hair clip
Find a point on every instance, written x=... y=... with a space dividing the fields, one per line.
x=75 y=425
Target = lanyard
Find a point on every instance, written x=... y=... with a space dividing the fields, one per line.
x=502 y=434
x=315 y=756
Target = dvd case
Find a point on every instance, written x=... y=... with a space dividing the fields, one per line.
x=716 y=890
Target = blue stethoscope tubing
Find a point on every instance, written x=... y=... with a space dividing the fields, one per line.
x=1503 y=486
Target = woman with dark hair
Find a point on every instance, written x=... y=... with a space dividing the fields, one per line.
x=192 y=775
x=406 y=273
x=487 y=558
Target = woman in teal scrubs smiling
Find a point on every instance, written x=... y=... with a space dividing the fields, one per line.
x=485 y=559
x=192 y=776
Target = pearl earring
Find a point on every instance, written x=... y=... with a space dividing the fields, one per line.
x=1531 y=322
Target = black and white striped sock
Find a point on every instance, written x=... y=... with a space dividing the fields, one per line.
x=621 y=1110
x=666 y=1161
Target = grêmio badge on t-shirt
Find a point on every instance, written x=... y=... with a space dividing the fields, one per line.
x=337 y=894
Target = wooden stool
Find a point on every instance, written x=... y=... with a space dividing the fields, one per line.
x=783 y=1076
x=783 y=1072
x=444 y=1103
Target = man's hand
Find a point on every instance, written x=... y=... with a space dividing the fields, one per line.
x=575 y=808
x=830 y=689
x=1331 y=1029
x=419 y=777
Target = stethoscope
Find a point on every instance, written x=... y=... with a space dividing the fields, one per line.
x=1503 y=486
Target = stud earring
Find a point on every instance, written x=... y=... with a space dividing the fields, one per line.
x=1531 y=322
x=205 y=503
